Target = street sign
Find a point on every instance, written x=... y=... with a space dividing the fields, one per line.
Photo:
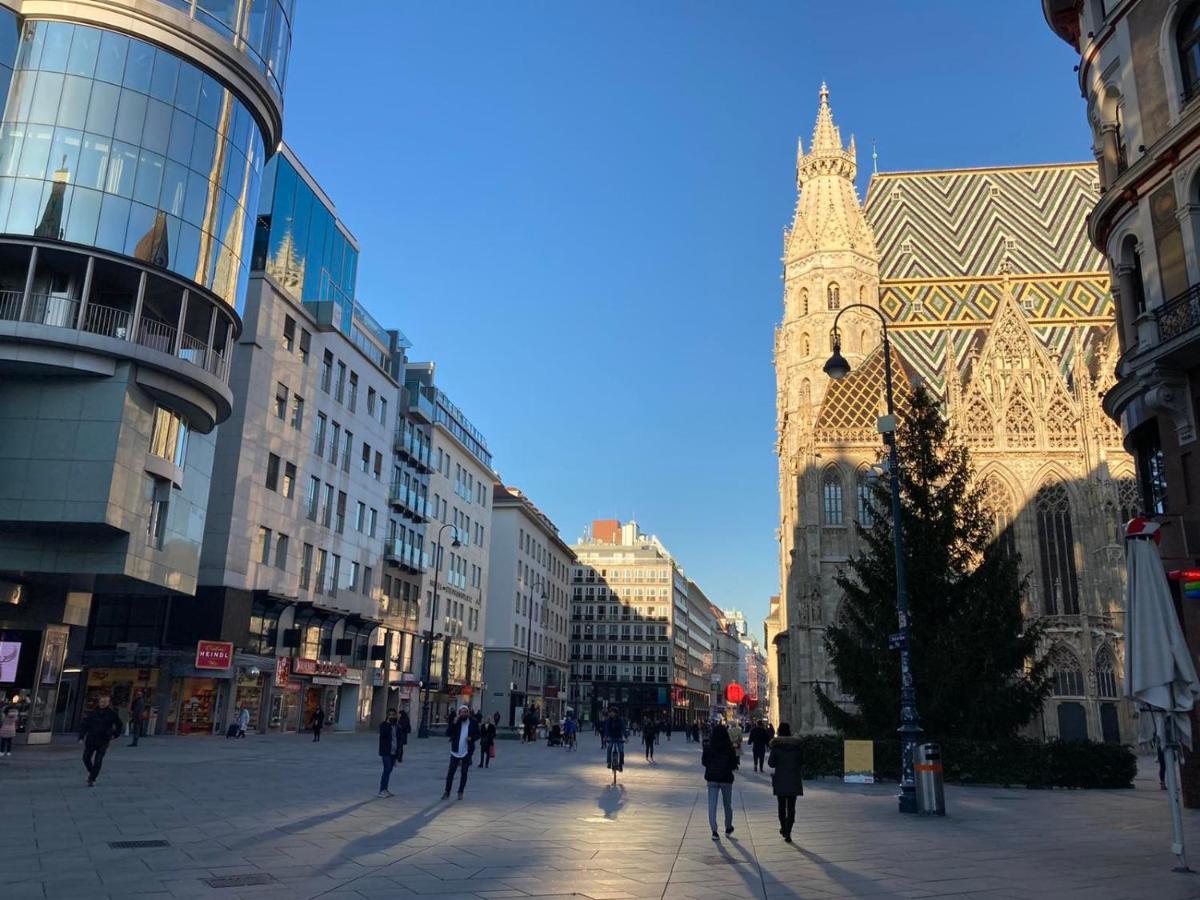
x=896 y=641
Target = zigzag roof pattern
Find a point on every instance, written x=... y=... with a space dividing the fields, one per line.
x=980 y=222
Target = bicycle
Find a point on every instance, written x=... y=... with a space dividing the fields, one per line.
x=616 y=758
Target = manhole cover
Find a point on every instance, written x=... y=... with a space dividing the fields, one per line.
x=137 y=845
x=224 y=881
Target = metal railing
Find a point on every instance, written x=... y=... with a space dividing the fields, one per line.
x=156 y=335
x=51 y=309
x=107 y=321
x=193 y=350
x=10 y=305
x=1179 y=314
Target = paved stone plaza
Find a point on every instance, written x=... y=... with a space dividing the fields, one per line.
x=304 y=819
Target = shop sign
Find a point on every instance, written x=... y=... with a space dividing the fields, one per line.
x=305 y=666
x=353 y=675
x=325 y=679
x=214 y=655
x=281 y=671
x=377 y=677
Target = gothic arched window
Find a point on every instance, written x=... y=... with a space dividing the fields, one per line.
x=1060 y=423
x=980 y=430
x=1129 y=503
x=862 y=488
x=831 y=497
x=804 y=301
x=1068 y=676
x=1056 y=551
x=862 y=295
x=833 y=295
x=1020 y=424
x=997 y=500
x=1187 y=42
x=1106 y=674
x=805 y=349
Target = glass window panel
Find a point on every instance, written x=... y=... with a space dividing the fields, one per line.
x=256 y=26
x=243 y=129
x=114 y=218
x=139 y=235
x=110 y=61
x=102 y=110
x=84 y=48
x=172 y=247
x=93 y=161
x=46 y=97
x=17 y=108
x=174 y=188
x=6 y=191
x=138 y=67
x=31 y=45
x=73 y=109
x=277 y=57
x=35 y=152
x=148 y=183
x=215 y=22
x=131 y=117
x=208 y=109
x=204 y=145
x=196 y=201
x=56 y=198
x=64 y=153
x=158 y=126
x=12 y=139
x=57 y=47
x=27 y=195
x=122 y=166
x=187 y=92
x=166 y=73
x=183 y=131
x=83 y=216
x=188 y=252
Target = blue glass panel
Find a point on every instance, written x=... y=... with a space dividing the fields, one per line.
x=187 y=94
x=64 y=153
x=27 y=195
x=76 y=93
x=57 y=47
x=188 y=252
x=6 y=192
x=158 y=126
x=139 y=235
x=139 y=66
x=131 y=117
x=84 y=49
x=114 y=218
x=36 y=151
x=122 y=166
x=208 y=108
x=56 y=198
x=174 y=188
x=46 y=98
x=110 y=62
x=148 y=183
x=21 y=97
x=183 y=130
x=83 y=216
x=93 y=161
x=196 y=201
x=166 y=73
x=203 y=147
x=102 y=109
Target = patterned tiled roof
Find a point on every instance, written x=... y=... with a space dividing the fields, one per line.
x=852 y=404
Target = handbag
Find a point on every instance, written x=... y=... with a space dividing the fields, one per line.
x=492 y=752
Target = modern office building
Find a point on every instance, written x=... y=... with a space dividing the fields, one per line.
x=1139 y=74
x=132 y=149
x=459 y=493
x=701 y=625
x=629 y=628
x=525 y=656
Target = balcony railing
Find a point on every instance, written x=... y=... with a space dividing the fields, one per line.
x=405 y=555
x=112 y=322
x=410 y=445
x=409 y=502
x=1178 y=315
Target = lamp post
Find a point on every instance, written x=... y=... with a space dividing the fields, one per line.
x=910 y=727
x=539 y=584
x=427 y=662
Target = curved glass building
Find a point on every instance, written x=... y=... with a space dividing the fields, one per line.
x=133 y=140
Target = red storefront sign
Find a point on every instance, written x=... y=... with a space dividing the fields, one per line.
x=734 y=693
x=281 y=671
x=306 y=666
x=214 y=655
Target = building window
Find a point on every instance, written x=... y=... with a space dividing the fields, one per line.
x=1056 y=550
x=160 y=499
x=314 y=493
x=347 y=447
x=340 y=393
x=366 y=458
x=803 y=301
x=319 y=435
x=281 y=400
x=289 y=333
x=833 y=296
x=322 y=566
x=371 y=402
x=168 y=436
x=281 y=552
x=305 y=345
x=360 y=517
x=997 y=502
x=340 y=521
x=383 y=410
x=327 y=371
x=297 y=412
x=327 y=507
x=352 y=400
x=272 y=472
x=352 y=580
x=866 y=518
x=377 y=472
x=335 y=438
x=831 y=496
x=264 y=545
x=1187 y=39
x=1068 y=677
x=367 y=577
x=334 y=573
x=306 y=558
x=1106 y=675
x=372 y=521
x=289 y=480
x=1151 y=470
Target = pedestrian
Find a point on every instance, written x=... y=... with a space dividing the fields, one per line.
x=98 y=727
x=719 y=760
x=759 y=738
x=136 y=707
x=570 y=728
x=649 y=733
x=613 y=730
x=404 y=728
x=667 y=727
x=463 y=732
x=786 y=783
x=389 y=749
x=487 y=740
x=496 y=718
x=318 y=722
x=8 y=729
x=243 y=720
x=526 y=727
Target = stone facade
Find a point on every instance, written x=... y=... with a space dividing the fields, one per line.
x=995 y=299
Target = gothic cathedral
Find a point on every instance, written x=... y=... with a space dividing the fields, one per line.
x=997 y=301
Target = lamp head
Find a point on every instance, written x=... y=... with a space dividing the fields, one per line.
x=837 y=366
x=456 y=542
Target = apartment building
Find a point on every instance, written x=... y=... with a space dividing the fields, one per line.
x=525 y=658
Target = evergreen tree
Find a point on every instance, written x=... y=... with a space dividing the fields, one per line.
x=973 y=654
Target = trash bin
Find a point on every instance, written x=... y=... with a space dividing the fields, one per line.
x=931 y=795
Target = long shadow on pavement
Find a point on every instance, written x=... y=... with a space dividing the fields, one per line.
x=612 y=800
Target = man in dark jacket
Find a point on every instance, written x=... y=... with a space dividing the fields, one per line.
x=318 y=722
x=389 y=748
x=136 y=709
x=786 y=782
x=759 y=739
x=719 y=760
x=463 y=733
x=404 y=728
x=98 y=727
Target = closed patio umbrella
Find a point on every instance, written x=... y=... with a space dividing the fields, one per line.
x=1159 y=674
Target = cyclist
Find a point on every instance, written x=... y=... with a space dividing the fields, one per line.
x=569 y=729
x=613 y=731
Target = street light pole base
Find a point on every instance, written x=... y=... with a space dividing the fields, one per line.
x=908 y=800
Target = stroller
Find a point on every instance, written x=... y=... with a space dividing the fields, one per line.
x=555 y=737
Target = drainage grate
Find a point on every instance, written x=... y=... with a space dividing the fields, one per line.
x=137 y=845
x=224 y=881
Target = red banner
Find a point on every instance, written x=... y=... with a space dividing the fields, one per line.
x=305 y=666
x=281 y=671
x=214 y=655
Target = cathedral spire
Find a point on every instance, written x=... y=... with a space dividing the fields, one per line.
x=825 y=156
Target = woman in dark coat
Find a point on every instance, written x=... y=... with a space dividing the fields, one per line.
x=719 y=760
x=785 y=779
x=487 y=737
x=403 y=729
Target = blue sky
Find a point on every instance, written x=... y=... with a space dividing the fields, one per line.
x=577 y=210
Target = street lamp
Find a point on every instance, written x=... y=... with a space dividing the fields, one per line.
x=423 y=729
x=910 y=727
x=539 y=585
